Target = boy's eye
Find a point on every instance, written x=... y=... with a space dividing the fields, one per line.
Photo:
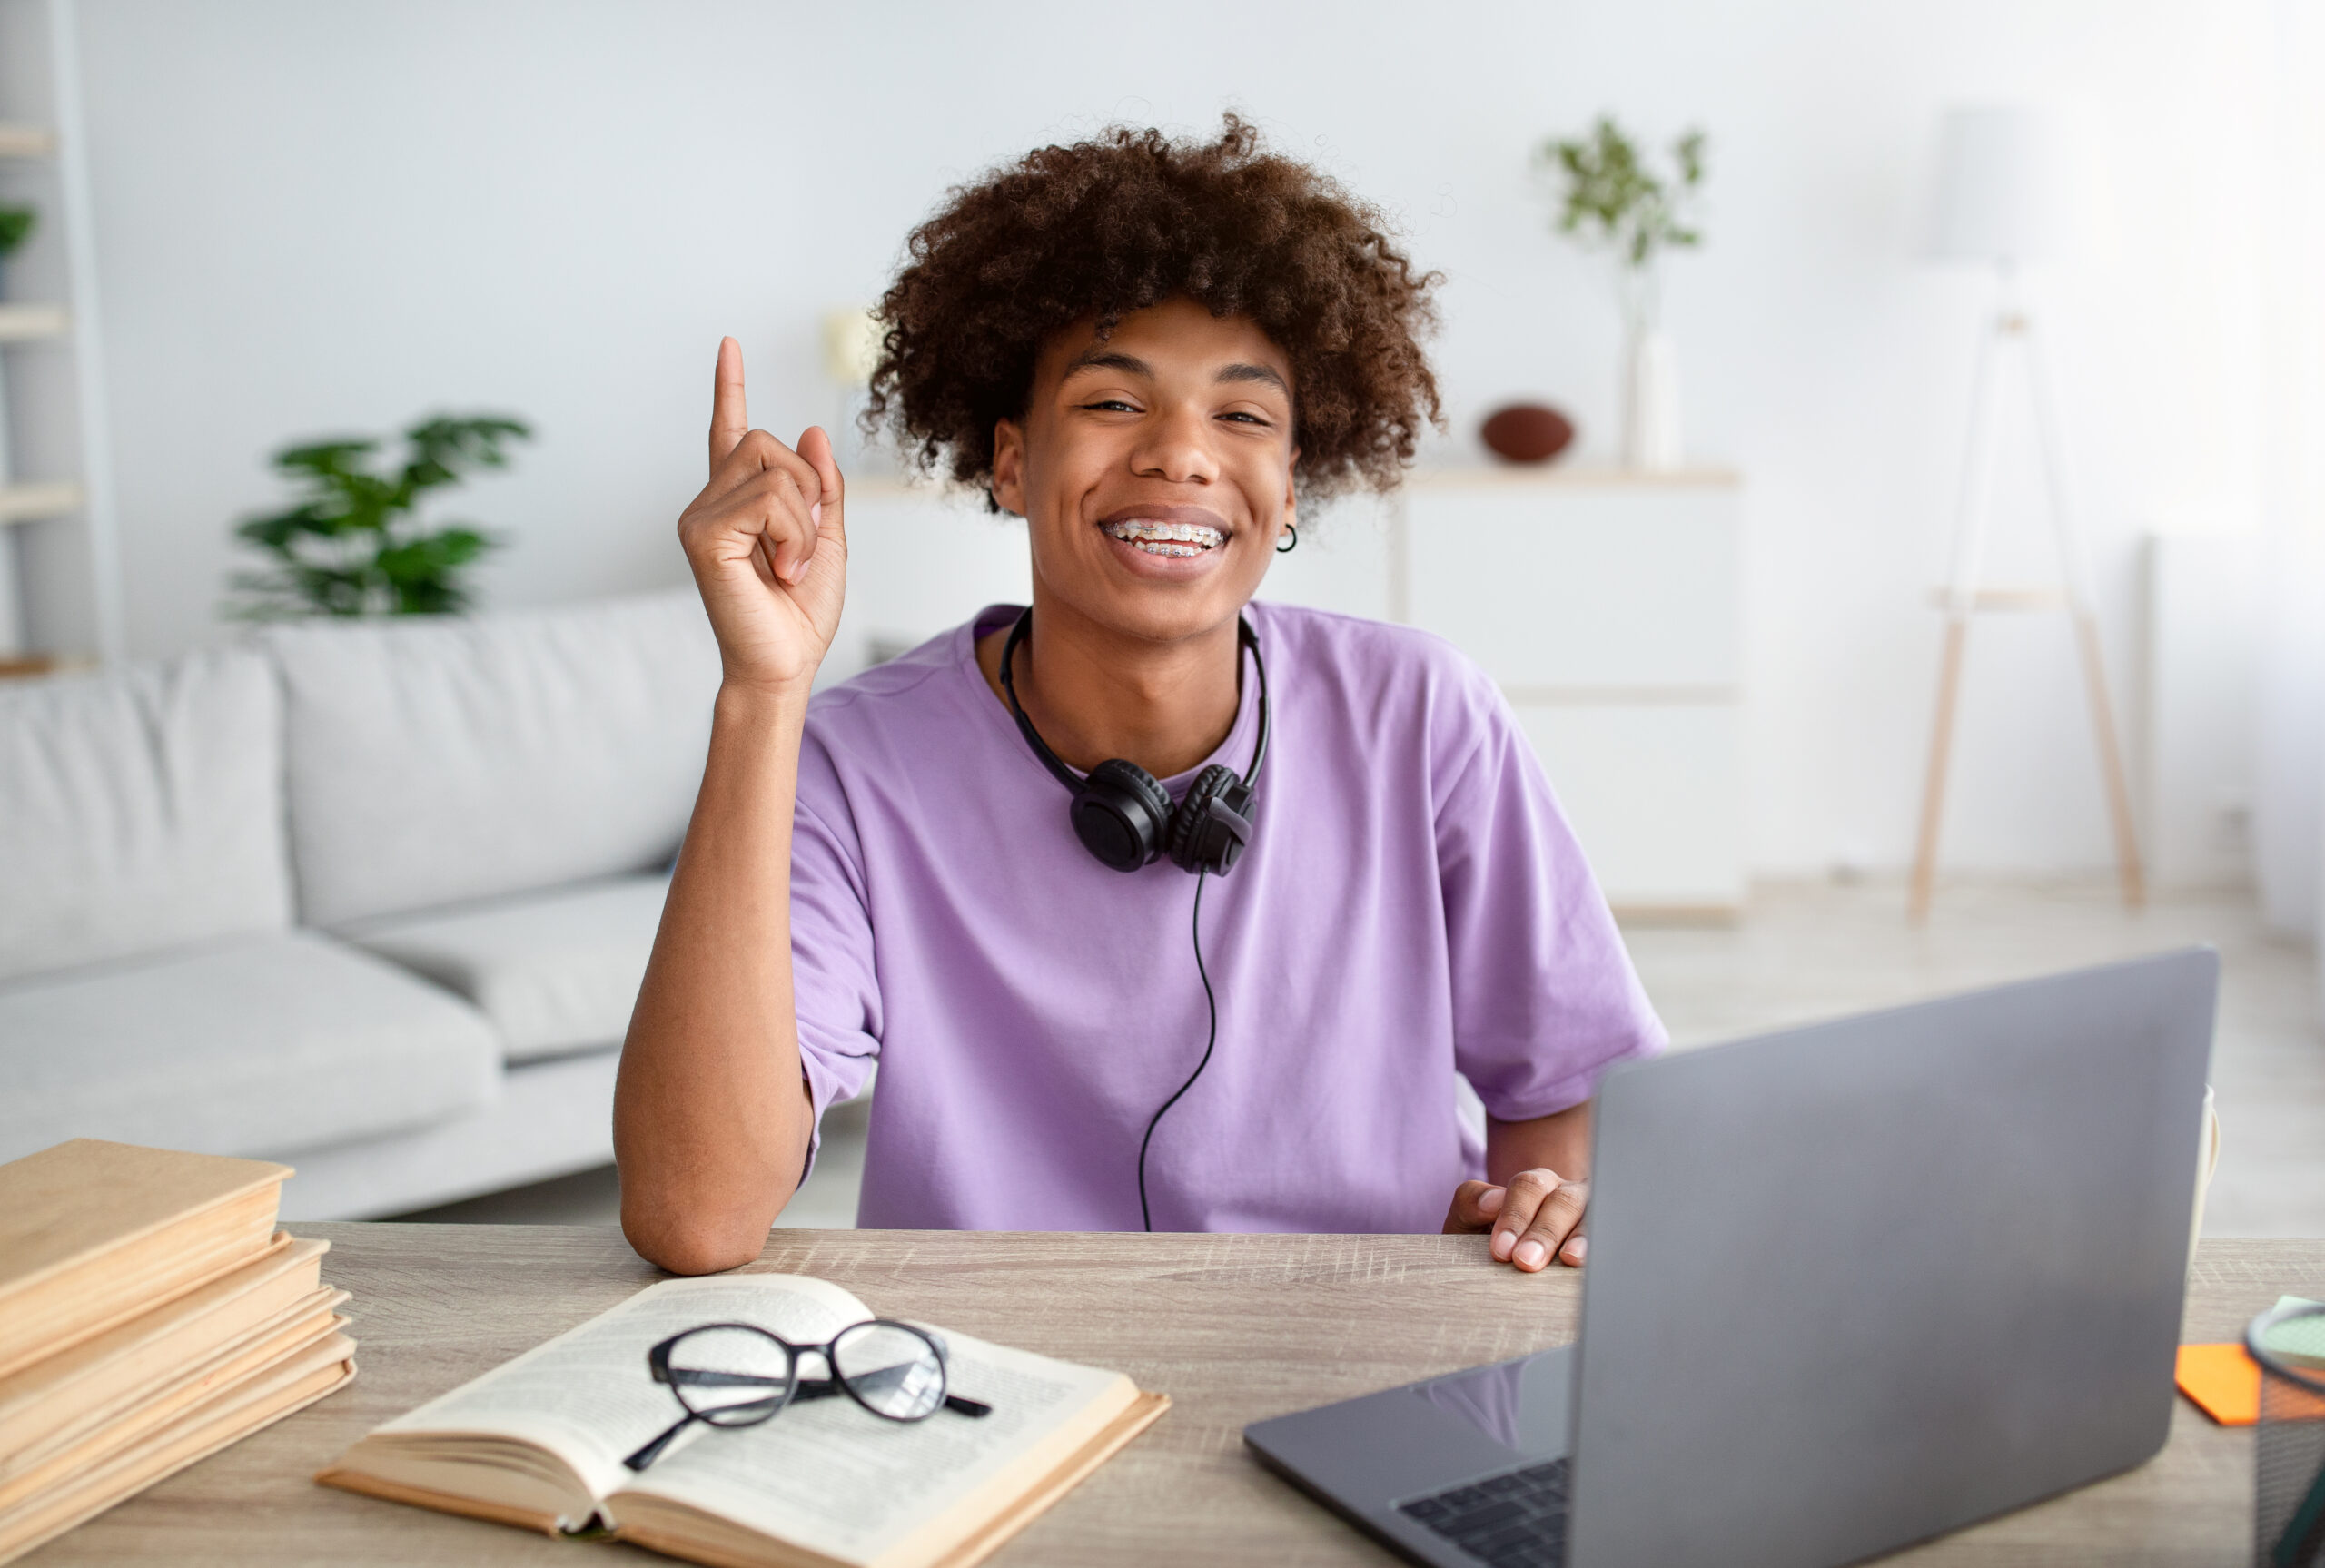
x=1122 y=406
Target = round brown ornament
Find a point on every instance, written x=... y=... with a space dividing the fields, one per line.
x=1527 y=433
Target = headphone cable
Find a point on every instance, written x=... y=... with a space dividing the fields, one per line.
x=1209 y=1042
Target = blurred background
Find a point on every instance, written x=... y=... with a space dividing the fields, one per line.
x=270 y=222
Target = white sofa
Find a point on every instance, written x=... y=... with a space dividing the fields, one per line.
x=372 y=898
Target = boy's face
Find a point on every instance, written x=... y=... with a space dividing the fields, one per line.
x=1153 y=468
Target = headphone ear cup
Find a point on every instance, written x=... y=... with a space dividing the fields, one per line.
x=1210 y=827
x=1121 y=814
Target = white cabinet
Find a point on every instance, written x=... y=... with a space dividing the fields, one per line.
x=1345 y=561
x=920 y=560
x=1565 y=589
x=1651 y=791
x=1605 y=604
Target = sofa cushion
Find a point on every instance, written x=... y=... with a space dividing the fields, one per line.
x=259 y=1045
x=555 y=972
x=433 y=760
x=140 y=810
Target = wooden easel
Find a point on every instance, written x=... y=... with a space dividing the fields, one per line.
x=1962 y=597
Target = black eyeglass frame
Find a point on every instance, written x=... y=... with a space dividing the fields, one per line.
x=658 y=1367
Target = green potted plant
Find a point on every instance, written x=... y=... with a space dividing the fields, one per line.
x=17 y=226
x=1612 y=199
x=354 y=544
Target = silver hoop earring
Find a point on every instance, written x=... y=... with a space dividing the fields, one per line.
x=1290 y=540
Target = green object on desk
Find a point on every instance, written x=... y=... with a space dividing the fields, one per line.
x=2292 y=1546
x=2300 y=1342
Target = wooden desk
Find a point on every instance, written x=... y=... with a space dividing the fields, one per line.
x=1233 y=1328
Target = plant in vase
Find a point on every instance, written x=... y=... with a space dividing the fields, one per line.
x=1611 y=199
x=354 y=544
x=17 y=226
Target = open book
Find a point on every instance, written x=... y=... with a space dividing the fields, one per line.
x=540 y=1443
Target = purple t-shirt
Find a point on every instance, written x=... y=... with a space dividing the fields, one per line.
x=1411 y=903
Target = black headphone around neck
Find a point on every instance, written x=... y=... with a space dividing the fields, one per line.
x=1123 y=815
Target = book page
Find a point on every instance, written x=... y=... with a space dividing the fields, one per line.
x=834 y=1478
x=586 y=1395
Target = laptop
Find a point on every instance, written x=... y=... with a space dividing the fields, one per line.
x=1851 y=1286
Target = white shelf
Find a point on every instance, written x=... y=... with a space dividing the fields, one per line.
x=1560 y=476
x=1551 y=476
x=80 y=599
x=2034 y=598
x=27 y=141
x=892 y=487
x=30 y=503
x=28 y=323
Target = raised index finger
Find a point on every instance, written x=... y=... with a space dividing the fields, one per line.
x=728 y=418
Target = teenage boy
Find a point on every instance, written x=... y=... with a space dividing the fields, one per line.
x=1151 y=351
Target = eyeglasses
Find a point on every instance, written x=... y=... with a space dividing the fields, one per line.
x=738 y=1375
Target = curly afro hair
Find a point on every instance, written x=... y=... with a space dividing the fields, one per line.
x=1111 y=226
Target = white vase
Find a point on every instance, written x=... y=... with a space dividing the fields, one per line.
x=1651 y=439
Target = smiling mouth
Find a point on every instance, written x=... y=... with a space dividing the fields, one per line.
x=1154 y=538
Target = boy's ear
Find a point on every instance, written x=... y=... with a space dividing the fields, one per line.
x=1009 y=466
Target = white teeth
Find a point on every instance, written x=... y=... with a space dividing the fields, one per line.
x=1166 y=539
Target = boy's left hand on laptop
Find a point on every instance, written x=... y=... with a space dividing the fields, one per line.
x=1534 y=1218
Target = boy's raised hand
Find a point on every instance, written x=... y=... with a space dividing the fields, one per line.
x=767 y=542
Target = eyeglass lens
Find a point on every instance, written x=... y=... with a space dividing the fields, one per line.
x=730 y=1375
x=893 y=1370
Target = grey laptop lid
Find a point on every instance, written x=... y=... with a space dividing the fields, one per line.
x=1954 y=1248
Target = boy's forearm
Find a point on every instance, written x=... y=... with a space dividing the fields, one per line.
x=711 y=1112
x=1560 y=1142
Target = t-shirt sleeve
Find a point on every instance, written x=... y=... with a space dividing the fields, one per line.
x=1545 y=999
x=835 y=985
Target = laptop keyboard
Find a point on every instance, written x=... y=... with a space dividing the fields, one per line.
x=1513 y=1521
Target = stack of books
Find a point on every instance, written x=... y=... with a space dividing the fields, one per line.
x=150 y=1315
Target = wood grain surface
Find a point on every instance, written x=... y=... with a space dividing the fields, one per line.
x=1233 y=1328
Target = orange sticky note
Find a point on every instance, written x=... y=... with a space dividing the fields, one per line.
x=2223 y=1380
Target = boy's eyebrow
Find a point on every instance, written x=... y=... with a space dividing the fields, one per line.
x=1242 y=372
x=1107 y=358
x=1099 y=357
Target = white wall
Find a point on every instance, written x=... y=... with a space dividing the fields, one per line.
x=2205 y=624
x=323 y=218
